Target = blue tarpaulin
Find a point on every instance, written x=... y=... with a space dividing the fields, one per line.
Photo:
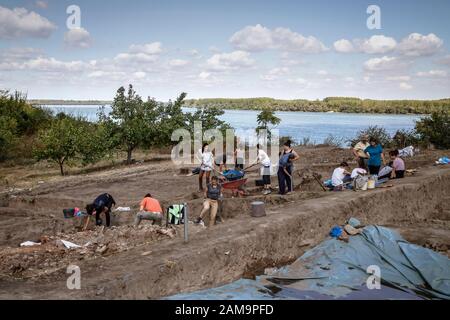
x=336 y=268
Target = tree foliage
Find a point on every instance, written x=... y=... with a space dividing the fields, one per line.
x=335 y=104
x=435 y=129
x=60 y=142
x=131 y=122
x=267 y=120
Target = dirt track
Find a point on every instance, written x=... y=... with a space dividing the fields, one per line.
x=151 y=262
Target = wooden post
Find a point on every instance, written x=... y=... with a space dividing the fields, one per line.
x=186 y=222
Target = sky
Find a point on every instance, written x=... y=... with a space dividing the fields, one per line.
x=228 y=49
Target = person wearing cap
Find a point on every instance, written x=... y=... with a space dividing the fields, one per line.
x=358 y=151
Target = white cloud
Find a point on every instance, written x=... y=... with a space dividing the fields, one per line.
x=178 y=63
x=53 y=65
x=377 y=44
x=374 y=45
x=153 y=48
x=382 y=64
x=419 y=45
x=344 y=46
x=42 y=4
x=139 y=75
x=322 y=72
x=433 y=74
x=77 y=38
x=405 y=86
x=204 y=75
x=445 y=60
x=260 y=38
x=135 y=58
x=275 y=73
x=300 y=81
x=398 y=78
x=230 y=61
x=415 y=45
x=139 y=56
x=21 y=23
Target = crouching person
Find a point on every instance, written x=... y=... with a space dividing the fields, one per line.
x=150 y=210
x=102 y=204
x=213 y=193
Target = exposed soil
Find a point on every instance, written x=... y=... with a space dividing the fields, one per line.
x=151 y=261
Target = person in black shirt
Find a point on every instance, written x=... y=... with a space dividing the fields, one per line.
x=102 y=204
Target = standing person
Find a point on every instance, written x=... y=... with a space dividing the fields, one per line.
x=359 y=152
x=239 y=156
x=213 y=193
x=284 y=176
x=221 y=162
x=266 y=166
x=150 y=209
x=287 y=149
x=206 y=160
x=376 y=156
x=102 y=204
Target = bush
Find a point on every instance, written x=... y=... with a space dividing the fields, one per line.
x=405 y=138
x=333 y=141
x=435 y=129
x=376 y=132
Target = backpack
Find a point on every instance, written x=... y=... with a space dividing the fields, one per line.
x=175 y=214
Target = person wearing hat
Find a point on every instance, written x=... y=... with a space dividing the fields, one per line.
x=359 y=153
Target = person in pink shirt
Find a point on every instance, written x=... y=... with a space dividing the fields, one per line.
x=398 y=165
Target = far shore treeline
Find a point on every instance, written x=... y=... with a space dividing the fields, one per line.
x=331 y=104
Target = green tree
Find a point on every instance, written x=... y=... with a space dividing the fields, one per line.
x=209 y=117
x=170 y=118
x=376 y=132
x=435 y=129
x=8 y=129
x=264 y=119
x=131 y=123
x=60 y=142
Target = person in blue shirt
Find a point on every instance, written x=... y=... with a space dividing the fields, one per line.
x=284 y=175
x=376 y=156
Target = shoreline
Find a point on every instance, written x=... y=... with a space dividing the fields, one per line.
x=68 y=105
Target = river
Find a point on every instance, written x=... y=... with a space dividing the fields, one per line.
x=314 y=126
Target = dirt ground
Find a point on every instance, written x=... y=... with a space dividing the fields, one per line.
x=31 y=210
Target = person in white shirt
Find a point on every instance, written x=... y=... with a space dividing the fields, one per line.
x=358 y=172
x=206 y=158
x=340 y=176
x=266 y=166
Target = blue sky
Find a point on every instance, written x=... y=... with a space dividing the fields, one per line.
x=281 y=49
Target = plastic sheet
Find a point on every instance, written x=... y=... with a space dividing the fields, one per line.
x=336 y=268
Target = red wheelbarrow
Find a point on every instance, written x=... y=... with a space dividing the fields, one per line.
x=235 y=187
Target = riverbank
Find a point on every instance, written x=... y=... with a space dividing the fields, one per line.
x=338 y=104
x=149 y=262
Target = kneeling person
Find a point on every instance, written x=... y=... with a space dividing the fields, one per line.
x=150 y=210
